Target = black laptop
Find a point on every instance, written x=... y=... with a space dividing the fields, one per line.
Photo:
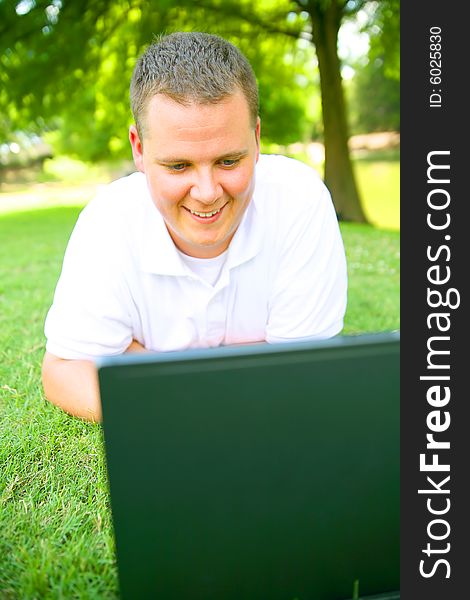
x=263 y=472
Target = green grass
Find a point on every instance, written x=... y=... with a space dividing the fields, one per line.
x=373 y=258
x=378 y=180
x=56 y=535
x=56 y=538
x=379 y=187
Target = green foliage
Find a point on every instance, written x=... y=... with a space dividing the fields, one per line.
x=67 y=66
x=385 y=38
x=287 y=95
x=375 y=94
x=374 y=99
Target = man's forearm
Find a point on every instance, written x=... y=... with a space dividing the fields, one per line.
x=135 y=346
x=73 y=384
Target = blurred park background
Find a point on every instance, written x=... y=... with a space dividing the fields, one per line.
x=328 y=73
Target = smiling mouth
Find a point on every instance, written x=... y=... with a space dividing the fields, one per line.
x=205 y=215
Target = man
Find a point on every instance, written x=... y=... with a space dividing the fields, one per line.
x=207 y=244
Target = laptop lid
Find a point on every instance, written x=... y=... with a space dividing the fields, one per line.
x=256 y=472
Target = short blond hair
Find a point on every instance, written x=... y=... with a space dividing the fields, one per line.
x=191 y=67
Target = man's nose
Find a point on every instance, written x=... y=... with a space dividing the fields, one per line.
x=206 y=189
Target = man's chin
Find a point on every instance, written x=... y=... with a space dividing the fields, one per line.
x=206 y=248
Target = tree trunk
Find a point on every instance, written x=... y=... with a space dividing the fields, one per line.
x=339 y=175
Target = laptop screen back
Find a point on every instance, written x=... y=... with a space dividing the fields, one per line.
x=256 y=472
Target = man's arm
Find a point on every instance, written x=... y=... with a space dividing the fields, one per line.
x=73 y=384
x=309 y=290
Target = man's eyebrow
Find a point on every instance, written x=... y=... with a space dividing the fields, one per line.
x=236 y=154
x=177 y=160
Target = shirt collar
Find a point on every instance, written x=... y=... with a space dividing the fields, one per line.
x=157 y=251
x=246 y=243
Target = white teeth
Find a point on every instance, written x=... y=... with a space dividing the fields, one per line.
x=204 y=215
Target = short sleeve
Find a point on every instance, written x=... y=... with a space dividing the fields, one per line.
x=309 y=292
x=89 y=315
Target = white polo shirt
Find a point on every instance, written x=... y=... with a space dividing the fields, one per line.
x=283 y=276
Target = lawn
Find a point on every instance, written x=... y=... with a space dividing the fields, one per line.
x=379 y=183
x=55 y=520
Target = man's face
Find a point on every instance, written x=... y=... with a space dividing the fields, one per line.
x=199 y=161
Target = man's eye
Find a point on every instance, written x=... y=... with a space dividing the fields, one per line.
x=229 y=162
x=177 y=167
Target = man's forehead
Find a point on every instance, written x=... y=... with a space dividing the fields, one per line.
x=190 y=102
x=198 y=122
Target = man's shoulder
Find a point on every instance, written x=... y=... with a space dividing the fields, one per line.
x=279 y=168
x=281 y=175
x=114 y=215
x=282 y=181
x=120 y=196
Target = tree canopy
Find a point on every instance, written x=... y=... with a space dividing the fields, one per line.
x=375 y=94
x=66 y=67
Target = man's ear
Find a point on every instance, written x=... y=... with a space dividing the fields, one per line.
x=257 y=135
x=137 y=148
